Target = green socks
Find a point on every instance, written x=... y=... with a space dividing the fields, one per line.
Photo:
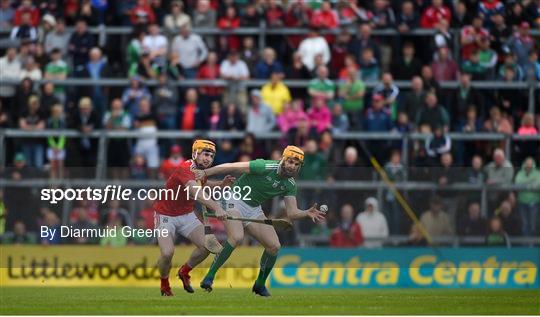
x=267 y=263
x=219 y=260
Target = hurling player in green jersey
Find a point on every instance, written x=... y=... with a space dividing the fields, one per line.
x=261 y=180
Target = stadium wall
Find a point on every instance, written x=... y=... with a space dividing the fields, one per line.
x=296 y=267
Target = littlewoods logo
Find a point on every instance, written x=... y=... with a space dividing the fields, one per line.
x=45 y=268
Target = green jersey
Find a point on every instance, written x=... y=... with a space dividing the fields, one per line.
x=263 y=182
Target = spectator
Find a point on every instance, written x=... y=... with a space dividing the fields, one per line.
x=407 y=19
x=230 y=21
x=378 y=118
x=234 y=70
x=395 y=171
x=434 y=13
x=146 y=123
x=57 y=69
x=57 y=39
x=298 y=15
x=191 y=49
x=312 y=46
x=389 y=91
x=138 y=168
x=436 y=221
x=416 y=237
x=205 y=16
x=249 y=147
x=274 y=15
x=322 y=87
x=215 y=113
x=487 y=57
x=165 y=102
x=297 y=70
x=23 y=93
x=251 y=16
x=352 y=91
x=135 y=48
x=85 y=148
x=349 y=232
x=363 y=42
x=303 y=132
x=170 y=164
x=5 y=120
x=174 y=71
x=466 y=98
x=33 y=119
x=383 y=15
x=250 y=54
x=432 y=115
x=142 y=13
x=194 y=117
x=500 y=171
x=473 y=224
x=497 y=235
x=260 y=118
x=471 y=36
x=527 y=125
x=325 y=17
x=349 y=169
x=155 y=44
x=340 y=122
x=226 y=154
x=476 y=174
x=31 y=69
x=521 y=44
x=319 y=115
x=7 y=14
x=268 y=65
x=438 y=143
x=231 y=118
x=313 y=169
x=408 y=65
x=133 y=94
x=19 y=235
x=80 y=44
x=510 y=221
x=24 y=30
x=430 y=83
x=532 y=68
x=510 y=64
x=443 y=66
x=275 y=93
x=373 y=224
x=369 y=66
x=116 y=239
x=145 y=68
x=340 y=55
x=497 y=122
x=292 y=113
x=500 y=33
x=209 y=70
x=96 y=69
x=51 y=220
x=528 y=201
x=11 y=70
x=56 y=152
x=118 y=150
x=177 y=19
x=414 y=100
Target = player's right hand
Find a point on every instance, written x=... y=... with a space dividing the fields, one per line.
x=221 y=214
x=199 y=174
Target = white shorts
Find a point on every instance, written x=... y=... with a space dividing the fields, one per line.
x=183 y=224
x=150 y=153
x=57 y=156
x=245 y=210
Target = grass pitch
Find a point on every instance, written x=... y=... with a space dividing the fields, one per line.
x=147 y=301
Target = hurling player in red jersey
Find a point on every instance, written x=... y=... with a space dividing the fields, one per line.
x=176 y=214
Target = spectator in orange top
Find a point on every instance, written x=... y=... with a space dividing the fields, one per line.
x=434 y=13
x=349 y=233
x=173 y=162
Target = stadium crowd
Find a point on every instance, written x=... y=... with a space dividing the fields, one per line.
x=51 y=41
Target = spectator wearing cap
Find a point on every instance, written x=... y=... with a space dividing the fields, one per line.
x=434 y=13
x=275 y=93
x=436 y=221
x=177 y=18
x=27 y=7
x=24 y=30
x=156 y=44
x=521 y=44
x=267 y=65
x=80 y=44
x=373 y=224
x=349 y=232
x=48 y=22
x=312 y=46
x=170 y=164
x=470 y=37
x=191 y=50
x=260 y=118
x=58 y=38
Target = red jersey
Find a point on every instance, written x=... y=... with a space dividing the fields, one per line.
x=169 y=206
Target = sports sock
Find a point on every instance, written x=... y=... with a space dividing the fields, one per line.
x=220 y=259
x=165 y=282
x=267 y=263
x=185 y=269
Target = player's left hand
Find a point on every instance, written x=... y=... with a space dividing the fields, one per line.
x=315 y=214
x=228 y=181
x=199 y=174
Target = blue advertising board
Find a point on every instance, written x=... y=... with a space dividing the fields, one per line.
x=407 y=267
